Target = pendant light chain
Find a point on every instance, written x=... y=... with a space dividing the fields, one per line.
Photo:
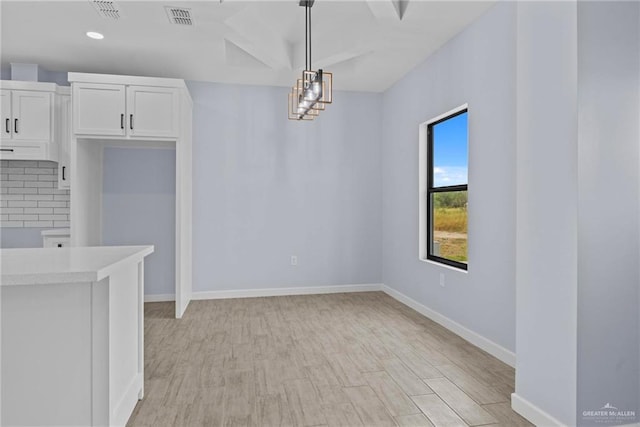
x=306 y=37
x=310 y=66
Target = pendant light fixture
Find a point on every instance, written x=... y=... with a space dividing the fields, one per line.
x=314 y=90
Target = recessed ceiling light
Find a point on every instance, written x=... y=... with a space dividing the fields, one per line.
x=94 y=35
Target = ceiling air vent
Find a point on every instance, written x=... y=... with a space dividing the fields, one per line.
x=179 y=15
x=106 y=8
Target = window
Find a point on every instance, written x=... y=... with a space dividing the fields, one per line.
x=444 y=229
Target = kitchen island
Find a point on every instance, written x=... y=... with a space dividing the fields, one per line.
x=72 y=335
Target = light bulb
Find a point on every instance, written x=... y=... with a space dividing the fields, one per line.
x=94 y=35
x=309 y=95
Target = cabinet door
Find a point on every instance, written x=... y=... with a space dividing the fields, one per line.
x=98 y=109
x=55 y=242
x=32 y=115
x=152 y=111
x=64 y=142
x=5 y=113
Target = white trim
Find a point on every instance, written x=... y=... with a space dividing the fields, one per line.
x=449 y=267
x=148 y=143
x=34 y=86
x=451 y=112
x=422 y=180
x=532 y=413
x=272 y=292
x=122 y=411
x=159 y=297
x=269 y=292
x=474 y=338
x=74 y=77
x=422 y=191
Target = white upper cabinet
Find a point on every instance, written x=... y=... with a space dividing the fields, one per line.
x=28 y=121
x=99 y=109
x=128 y=111
x=32 y=115
x=153 y=111
x=5 y=112
x=27 y=115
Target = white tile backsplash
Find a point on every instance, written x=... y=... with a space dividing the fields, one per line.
x=29 y=195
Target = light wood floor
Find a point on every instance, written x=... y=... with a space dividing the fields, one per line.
x=336 y=360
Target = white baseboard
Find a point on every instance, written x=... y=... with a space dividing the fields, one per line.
x=124 y=408
x=159 y=297
x=474 y=338
x=487 y=345
x=273 y=292
x=532 y=413
x=269 y=292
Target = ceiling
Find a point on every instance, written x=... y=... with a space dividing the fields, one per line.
x=368 y=45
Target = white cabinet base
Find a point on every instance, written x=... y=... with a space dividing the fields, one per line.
x=72 y=353
x=56 y=238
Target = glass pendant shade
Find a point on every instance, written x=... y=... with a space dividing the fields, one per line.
x=319 y=81
x=299 y=107
x=314 y=90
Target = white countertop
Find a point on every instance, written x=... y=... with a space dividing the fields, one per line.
x=40 y=266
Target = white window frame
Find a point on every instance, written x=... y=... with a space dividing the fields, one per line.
x=423 y=167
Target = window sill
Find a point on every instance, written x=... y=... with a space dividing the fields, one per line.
x=448 y=267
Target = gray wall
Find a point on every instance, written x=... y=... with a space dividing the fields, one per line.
x=138 y=208
x=57 y=77
x=547 y=185
x=578 y=209
x=476 y=67
x=45 y=75
x=21 y=237
x=608 y=277
x=266 y=188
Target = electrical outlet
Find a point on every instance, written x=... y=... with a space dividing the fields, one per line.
x=294 y=260
x=442 y=279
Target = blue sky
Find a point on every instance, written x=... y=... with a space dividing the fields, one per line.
x=450 y=151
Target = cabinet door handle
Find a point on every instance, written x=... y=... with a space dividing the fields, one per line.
x=15 y=126
x=122 y=121
x=131 y=121
x=63 y=177
x=7 y=126
x=10 y=150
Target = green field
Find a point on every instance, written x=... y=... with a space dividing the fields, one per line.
x=453 y=220
x=450 y=225
x=453 y=249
